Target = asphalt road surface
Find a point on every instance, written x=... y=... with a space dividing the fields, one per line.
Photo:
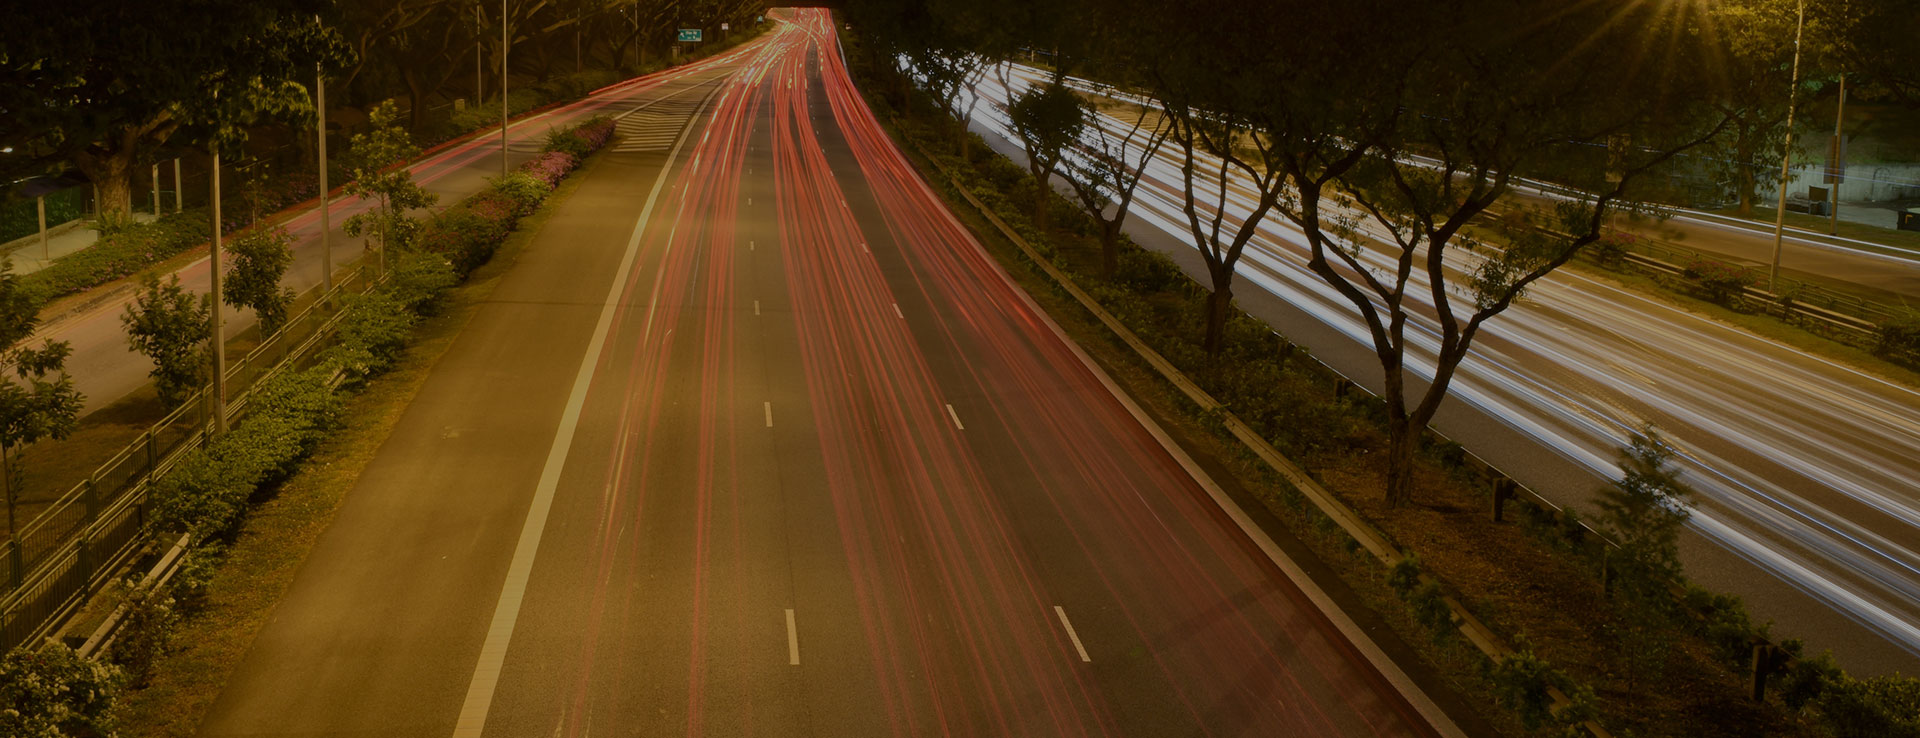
x=1804 y=468
x=104 y=369
x=754 y=439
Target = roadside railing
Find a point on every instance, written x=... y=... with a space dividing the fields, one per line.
x=73 y=547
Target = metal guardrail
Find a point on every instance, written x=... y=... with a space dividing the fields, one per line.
x=89 y=533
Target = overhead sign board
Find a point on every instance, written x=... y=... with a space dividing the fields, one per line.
x=689 y=35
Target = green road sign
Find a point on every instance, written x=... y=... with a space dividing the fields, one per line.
x=689 y=35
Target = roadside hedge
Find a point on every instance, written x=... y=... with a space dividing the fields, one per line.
x=467 y=233
x=122 y=254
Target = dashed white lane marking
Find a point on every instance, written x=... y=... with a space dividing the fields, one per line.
x=1057 y=610
x=863 y=247
x=952 y=414
x=506 y=611
x=756 y=307
x=793 y=641
x=749 y=245
x=768 y=406
x=903 y=316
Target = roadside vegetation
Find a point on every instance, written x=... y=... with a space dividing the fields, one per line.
x=1598 y=610
x=209 y=493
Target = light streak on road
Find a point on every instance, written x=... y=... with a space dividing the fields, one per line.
x=1805 y=467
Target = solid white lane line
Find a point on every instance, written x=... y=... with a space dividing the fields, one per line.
x=506 y=612
x=952 y=414
x=903 y=316
x=768 y=406
x=1057 y=610
x=793 y=641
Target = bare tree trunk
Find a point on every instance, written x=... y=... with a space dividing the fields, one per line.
x=1400 y=446
x=1219 y=308
x=112 y=172
x=416 y=97
x=1109 y=248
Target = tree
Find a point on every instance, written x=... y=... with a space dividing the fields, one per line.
x=1398 y=156
x=100 y=84
x=1106 y=175
x=37 y=398
x=377 y=161
x=169 y=325
x=1756 y=49
x=1048 y=119
x=1643 y=513
x=260 y=260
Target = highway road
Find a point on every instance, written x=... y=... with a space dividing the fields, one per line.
x=1805 y=468
x=755 y=439
x=105 y=369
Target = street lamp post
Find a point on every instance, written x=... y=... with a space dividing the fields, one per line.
x=503 y=88
x=219 y=389
x=1786 y=155
x=326 y=228
x=1839 y=158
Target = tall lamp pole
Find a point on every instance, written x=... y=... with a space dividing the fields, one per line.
x=219 y=390
x=1838 y=172
x=1786 y=154
x=503 y=88
x=326 y=228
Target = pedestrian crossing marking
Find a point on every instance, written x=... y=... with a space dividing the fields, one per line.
x=654 y=128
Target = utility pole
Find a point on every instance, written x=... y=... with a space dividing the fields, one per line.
x=326 y=227
x=154 y=177
x=479 y=67
x=503 y=88
x=1839 y=158
x=1786 y=155
x=179 y=196
x=46 y=249
x=219 y=391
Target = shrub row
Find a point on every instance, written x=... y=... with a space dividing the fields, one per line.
x=52 y=692
x=117 y=255
x=468 y=233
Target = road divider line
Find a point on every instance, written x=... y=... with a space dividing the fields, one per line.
x=506 y=612
x=952 y=414
x=768 y=406
x=1057 y=610
x=903 y=316
x=793 y=641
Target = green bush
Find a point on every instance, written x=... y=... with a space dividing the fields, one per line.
x=145 y=634
x=524 y=190
x=1718 y=281
x=122 y=254
x=468 y=236
x=1880 y=707
x=418 y=280
x=54 y=693
x=567 y=141
x=207 y=492
x=1898 y=338
x=374 y=329
x=1521 y=682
